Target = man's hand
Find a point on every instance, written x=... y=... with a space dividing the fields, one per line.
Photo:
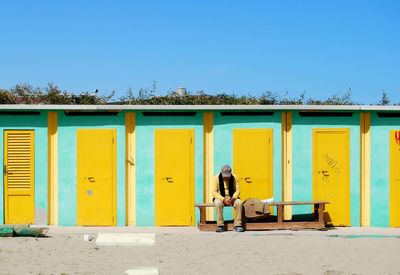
x=229 y=201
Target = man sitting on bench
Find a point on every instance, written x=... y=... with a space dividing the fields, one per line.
x=226 y=192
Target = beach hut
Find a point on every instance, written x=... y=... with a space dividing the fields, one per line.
x=143 y=165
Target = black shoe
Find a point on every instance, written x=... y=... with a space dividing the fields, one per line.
x=219 y=229
x=238 y=229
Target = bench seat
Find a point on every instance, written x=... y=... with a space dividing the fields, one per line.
x=272 y=221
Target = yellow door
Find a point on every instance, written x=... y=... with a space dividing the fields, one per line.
x=395 y=178
x=96 y=170
x=19 y=195
x=174 y=177
x=331 y=173
x=252 y=162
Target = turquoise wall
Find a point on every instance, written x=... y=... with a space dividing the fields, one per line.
x=223 y=144
x=67 y=169
x=223 y=126
x=380 y=168
x=38 y=123
x=302 y=159
x=145 y=192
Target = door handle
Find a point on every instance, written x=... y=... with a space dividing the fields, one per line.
x=169 y=179
x=91 y=179
x=5 y=170
x=248 y=180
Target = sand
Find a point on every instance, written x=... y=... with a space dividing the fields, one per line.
x=189 y=251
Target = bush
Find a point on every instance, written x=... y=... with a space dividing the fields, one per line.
x=27 y=94
x=7 y=97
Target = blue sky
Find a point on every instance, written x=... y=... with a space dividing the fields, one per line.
x=319 y=47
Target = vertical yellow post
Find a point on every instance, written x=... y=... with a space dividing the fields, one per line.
x=130 y=167
x=208 y=135
x=365 y=163
x=394 y=178
x=287 y=161
x=52 y=170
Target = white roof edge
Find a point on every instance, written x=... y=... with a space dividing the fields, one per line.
x=20 y=107
x=46 y=107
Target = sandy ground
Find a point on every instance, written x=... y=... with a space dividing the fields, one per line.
x=189 y=251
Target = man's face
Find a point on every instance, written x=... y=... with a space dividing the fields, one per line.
x=226 y=178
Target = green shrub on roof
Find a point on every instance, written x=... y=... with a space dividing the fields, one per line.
x=52 y=94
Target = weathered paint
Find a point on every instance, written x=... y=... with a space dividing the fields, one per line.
x=208 y=136
x=145 y=188
x=67 y=173
x=38 y=123
x=287 y=162
x=52 y=152
x=380 y=168
x=130 y=167
x=365 y=170
x=223 y=144
x=302 y=159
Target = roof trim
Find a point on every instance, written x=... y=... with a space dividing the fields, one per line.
x=11 y=107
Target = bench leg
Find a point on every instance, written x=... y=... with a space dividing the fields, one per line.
x=321 y=208
x=316 y=212
x=319 y=211
x=280 y=213
x=202 y=215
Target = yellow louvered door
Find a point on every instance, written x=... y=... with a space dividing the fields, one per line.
x=19 y=177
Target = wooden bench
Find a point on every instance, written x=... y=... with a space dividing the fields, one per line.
x=272 y=221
